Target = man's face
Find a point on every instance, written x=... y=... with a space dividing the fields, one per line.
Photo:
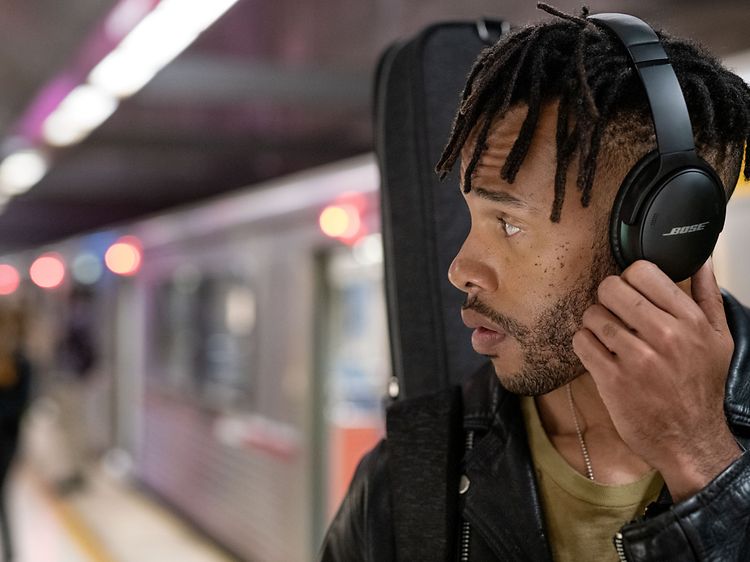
x=529 y=280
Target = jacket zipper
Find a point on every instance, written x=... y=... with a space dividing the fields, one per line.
x=465 y=537
x=465 y=525
x=620 y=547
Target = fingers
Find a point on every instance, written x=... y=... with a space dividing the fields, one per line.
x=657 y=287
x=634 y=309
x=707 y=295
x=594 y=356
x=616 y=337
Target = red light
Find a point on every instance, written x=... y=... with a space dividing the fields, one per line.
x=48 y=271
x=340 y=221
x=9 y=279
x=343 y=219
x=124 y=256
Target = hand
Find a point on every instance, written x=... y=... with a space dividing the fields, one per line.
x=660 y=361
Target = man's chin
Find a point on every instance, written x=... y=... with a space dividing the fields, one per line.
x=528 y=382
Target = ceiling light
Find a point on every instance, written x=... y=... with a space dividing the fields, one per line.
x=20 y=171
x=159 y=37
x=82 y=111
x=121 y=74
x=125 y=16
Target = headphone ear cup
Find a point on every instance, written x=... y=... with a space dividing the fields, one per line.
x=677 y=216
x=635 y=180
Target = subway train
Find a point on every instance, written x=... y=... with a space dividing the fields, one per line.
x=241 y=366
x=241 y=361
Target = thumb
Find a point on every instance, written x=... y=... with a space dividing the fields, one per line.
x=706 y=293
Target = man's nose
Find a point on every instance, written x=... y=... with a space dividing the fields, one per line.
x=471 y=273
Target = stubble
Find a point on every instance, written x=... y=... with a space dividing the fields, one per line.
x=548 y=360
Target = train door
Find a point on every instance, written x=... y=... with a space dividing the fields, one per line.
x=354 y=367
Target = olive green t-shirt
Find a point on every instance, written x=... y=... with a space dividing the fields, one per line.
x=581 y=516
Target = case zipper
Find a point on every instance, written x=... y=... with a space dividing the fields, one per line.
x=620 y=547
x=465 y=525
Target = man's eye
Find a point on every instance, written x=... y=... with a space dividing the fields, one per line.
x=509 y=229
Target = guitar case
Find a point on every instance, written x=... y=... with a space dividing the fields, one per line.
x=424 y=221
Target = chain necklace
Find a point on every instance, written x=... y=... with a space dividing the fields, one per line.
x=584 y=449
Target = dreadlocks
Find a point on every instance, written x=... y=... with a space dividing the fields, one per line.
x=581 y=66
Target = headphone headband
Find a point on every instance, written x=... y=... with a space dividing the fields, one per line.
x=674 y=132
x=671 y=205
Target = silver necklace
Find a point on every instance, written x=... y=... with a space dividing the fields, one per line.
x=584 y=449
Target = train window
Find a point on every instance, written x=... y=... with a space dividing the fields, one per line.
x=225 y=346
x=175 y=331
x=205 y=340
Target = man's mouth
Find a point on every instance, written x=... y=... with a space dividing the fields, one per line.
x=486 y=335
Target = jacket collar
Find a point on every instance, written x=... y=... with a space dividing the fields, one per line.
x=737 y=397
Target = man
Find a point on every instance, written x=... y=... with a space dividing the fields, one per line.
x=614 y=396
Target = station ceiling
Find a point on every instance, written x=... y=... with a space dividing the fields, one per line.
x=274 y=87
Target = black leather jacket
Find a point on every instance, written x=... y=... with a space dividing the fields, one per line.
x=404 y=502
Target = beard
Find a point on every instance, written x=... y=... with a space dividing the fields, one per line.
x=548 y=360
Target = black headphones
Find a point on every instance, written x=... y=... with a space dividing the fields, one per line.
x=671 y=205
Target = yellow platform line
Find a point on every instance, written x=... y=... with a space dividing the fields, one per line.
x=160 y=511
x=80 y=533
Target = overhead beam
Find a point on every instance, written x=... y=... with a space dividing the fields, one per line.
x=221 y=80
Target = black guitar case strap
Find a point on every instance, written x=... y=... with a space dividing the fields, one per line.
x=424 y=447
x=417 y=91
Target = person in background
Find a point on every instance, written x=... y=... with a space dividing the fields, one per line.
x=76 y=356
x=15 y=384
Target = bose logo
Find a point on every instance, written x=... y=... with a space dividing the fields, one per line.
x=685 y=229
